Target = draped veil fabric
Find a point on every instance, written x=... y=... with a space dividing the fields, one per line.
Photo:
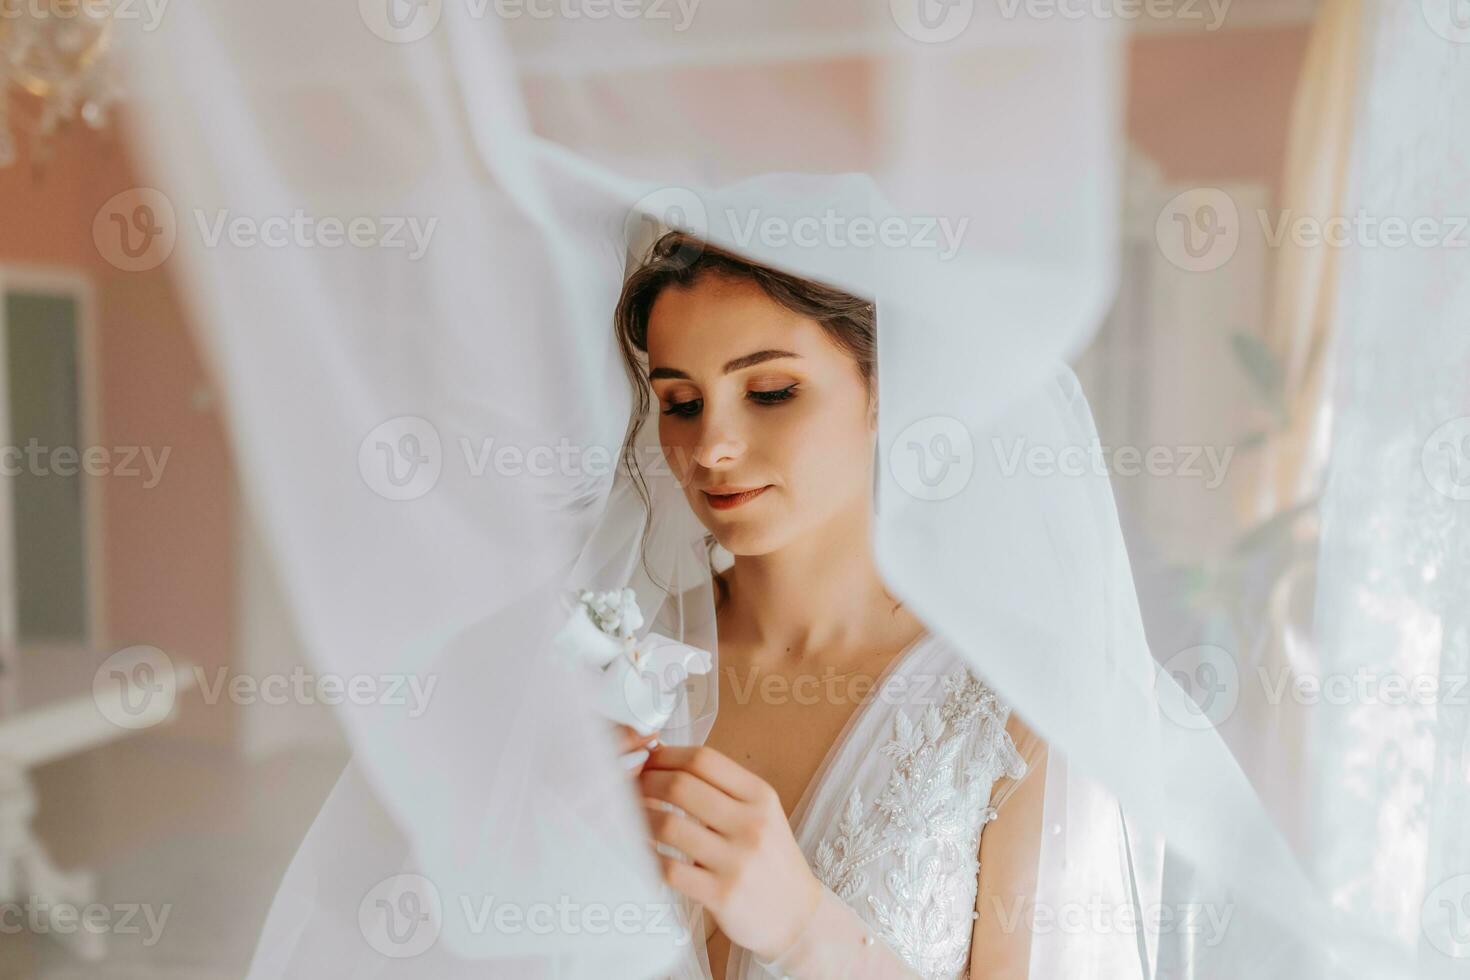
x=963 y=175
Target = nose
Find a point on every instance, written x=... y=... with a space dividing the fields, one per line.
x=719 y=444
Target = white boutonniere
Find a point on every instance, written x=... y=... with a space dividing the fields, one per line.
x=639 y=681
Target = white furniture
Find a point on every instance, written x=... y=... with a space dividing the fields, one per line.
x=55 y=702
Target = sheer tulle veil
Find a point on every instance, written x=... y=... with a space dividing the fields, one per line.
x=966 y=182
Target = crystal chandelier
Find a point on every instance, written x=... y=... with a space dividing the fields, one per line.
x=54 y=67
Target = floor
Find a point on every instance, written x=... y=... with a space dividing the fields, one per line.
x=184 y=831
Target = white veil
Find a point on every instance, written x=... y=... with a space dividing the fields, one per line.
x=430 y=439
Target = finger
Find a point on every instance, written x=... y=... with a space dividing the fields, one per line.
x=691 y=794
x=690 y=880
x=703 y=846
x=629 y=739
x=712 y=766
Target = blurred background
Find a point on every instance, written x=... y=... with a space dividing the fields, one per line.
x=138 y=537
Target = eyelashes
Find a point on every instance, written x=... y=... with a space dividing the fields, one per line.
x=690 y=408
x=684 y=409
x=772 y=397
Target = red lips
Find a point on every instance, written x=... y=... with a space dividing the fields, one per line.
x=723 y=498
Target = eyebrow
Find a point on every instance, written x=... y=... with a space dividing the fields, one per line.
x=745 y=361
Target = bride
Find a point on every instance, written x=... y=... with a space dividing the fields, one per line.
x=831 y=824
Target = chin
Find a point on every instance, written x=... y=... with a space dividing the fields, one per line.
x=745 y=541
x=746 y=537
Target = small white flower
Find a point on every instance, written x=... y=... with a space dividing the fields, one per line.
x=582 y=640
x=616 y=613
x=639 y=681
x=643 y=689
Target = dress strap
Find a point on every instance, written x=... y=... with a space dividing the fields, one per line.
x=1027 y=748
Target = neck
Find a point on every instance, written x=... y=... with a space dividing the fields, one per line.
x=819 y=598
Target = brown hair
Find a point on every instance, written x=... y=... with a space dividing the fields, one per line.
x=679 y=260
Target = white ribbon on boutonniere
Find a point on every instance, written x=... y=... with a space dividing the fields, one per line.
x=639 y=681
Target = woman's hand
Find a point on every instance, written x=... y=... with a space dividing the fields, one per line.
x=747 y=869
x=630 y=741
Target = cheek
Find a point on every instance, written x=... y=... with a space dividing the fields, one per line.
x=825 y=450
x=677 y=446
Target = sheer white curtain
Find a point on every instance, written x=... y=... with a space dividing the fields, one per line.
x=1392 y=782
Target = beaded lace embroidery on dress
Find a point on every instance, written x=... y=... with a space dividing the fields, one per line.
x=908 y=860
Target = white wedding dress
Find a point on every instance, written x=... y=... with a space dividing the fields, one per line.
x=892 y=819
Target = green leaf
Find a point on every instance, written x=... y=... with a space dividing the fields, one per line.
x=1275 y=529
x=1263 y=370
x=1253 y=441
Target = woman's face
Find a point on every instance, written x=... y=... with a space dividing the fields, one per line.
x=755 y=397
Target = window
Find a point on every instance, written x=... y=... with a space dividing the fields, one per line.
x=45 y=524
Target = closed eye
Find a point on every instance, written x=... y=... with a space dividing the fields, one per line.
x=691 y=407
x=772 y=397
x=687 y=409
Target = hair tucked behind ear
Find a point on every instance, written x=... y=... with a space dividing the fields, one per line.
x=679 y=260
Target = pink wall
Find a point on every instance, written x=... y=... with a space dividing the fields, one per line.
x=1215 y=106
x=167 y=562
x=47 y=213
